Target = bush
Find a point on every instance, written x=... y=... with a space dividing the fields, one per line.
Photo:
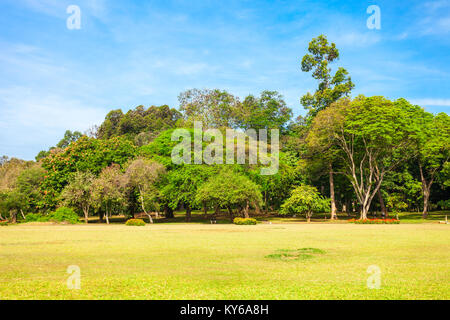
x=375 y=221
x=245 y=221
x=135 y=223
x=35 y=217
x=63 y=214
x=3 y=223
x=444 y=204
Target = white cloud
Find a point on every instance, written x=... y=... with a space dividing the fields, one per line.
x=35 y=120
x=432 y=102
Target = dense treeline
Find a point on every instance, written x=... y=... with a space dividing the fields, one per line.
x=362 y=154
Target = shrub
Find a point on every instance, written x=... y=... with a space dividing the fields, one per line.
x=35 y=217
x=444 y=204
x=3 y=223
x=63 y=214
x=135 y=222
x=245 y=221
x=375 y=221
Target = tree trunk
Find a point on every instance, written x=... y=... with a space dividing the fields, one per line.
x=308 y=217
x=205 y=209
x=86 y=214
x=426 y=188
x=332 y=197
x=266 y=207
x=246 y=211
x=364 y=211
x=107 y=215
x=426 y=198
x=230 y=212
x=188 y=213
x=143 y=206
x=101 y=215
x=13 y=216
x=168 y=212
x=383 y=207
x=23 y=216
x=149 y=217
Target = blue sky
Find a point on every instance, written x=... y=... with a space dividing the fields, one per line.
x=129 y=53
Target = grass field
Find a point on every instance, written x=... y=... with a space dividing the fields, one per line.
x=201 y=261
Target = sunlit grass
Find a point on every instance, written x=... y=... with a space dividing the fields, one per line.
x=203 y=261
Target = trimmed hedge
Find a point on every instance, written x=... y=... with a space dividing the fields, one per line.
x=245 y=221
x=135 y=223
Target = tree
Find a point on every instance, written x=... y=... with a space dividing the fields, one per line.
x=182 y=183
x=150 y=121
x=142 y=174
x=215 y=108
x=269 y=111
x=78 y=193
x=331 y=88
x=69 y=137
x=306 y=200
x=108 y=190
x=230 y=189
x=86 y=154
x=434 y=153
x=13 y=202
x=373 y=135
x=28 y=183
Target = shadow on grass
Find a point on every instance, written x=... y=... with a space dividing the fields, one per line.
x=198 y=217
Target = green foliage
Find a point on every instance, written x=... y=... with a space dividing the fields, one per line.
x=245 y=221
x=269 y=111
x=305 y=200
x=141 y=176
x=150 y=121
x=135 y=223
x=36 y=217
x=331 y=88
x=86 y=154
x=229 y=189
x=108 y=191
x=79 y=192
x=215 y=108
x=395 y=202
x=64 y=214
x=181 y=185
x=61 y=215
x=444 y=204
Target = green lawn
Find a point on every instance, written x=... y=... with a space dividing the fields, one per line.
x=203 y=261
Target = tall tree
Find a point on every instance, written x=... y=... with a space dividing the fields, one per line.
x=434 y=153
x=79 y=192
x=230 y=190
x=331 y=88
x=108 y=190
x=269 y=111
x=305 y=200
x=373 y=136
x=215 y=108
x=142 y=174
